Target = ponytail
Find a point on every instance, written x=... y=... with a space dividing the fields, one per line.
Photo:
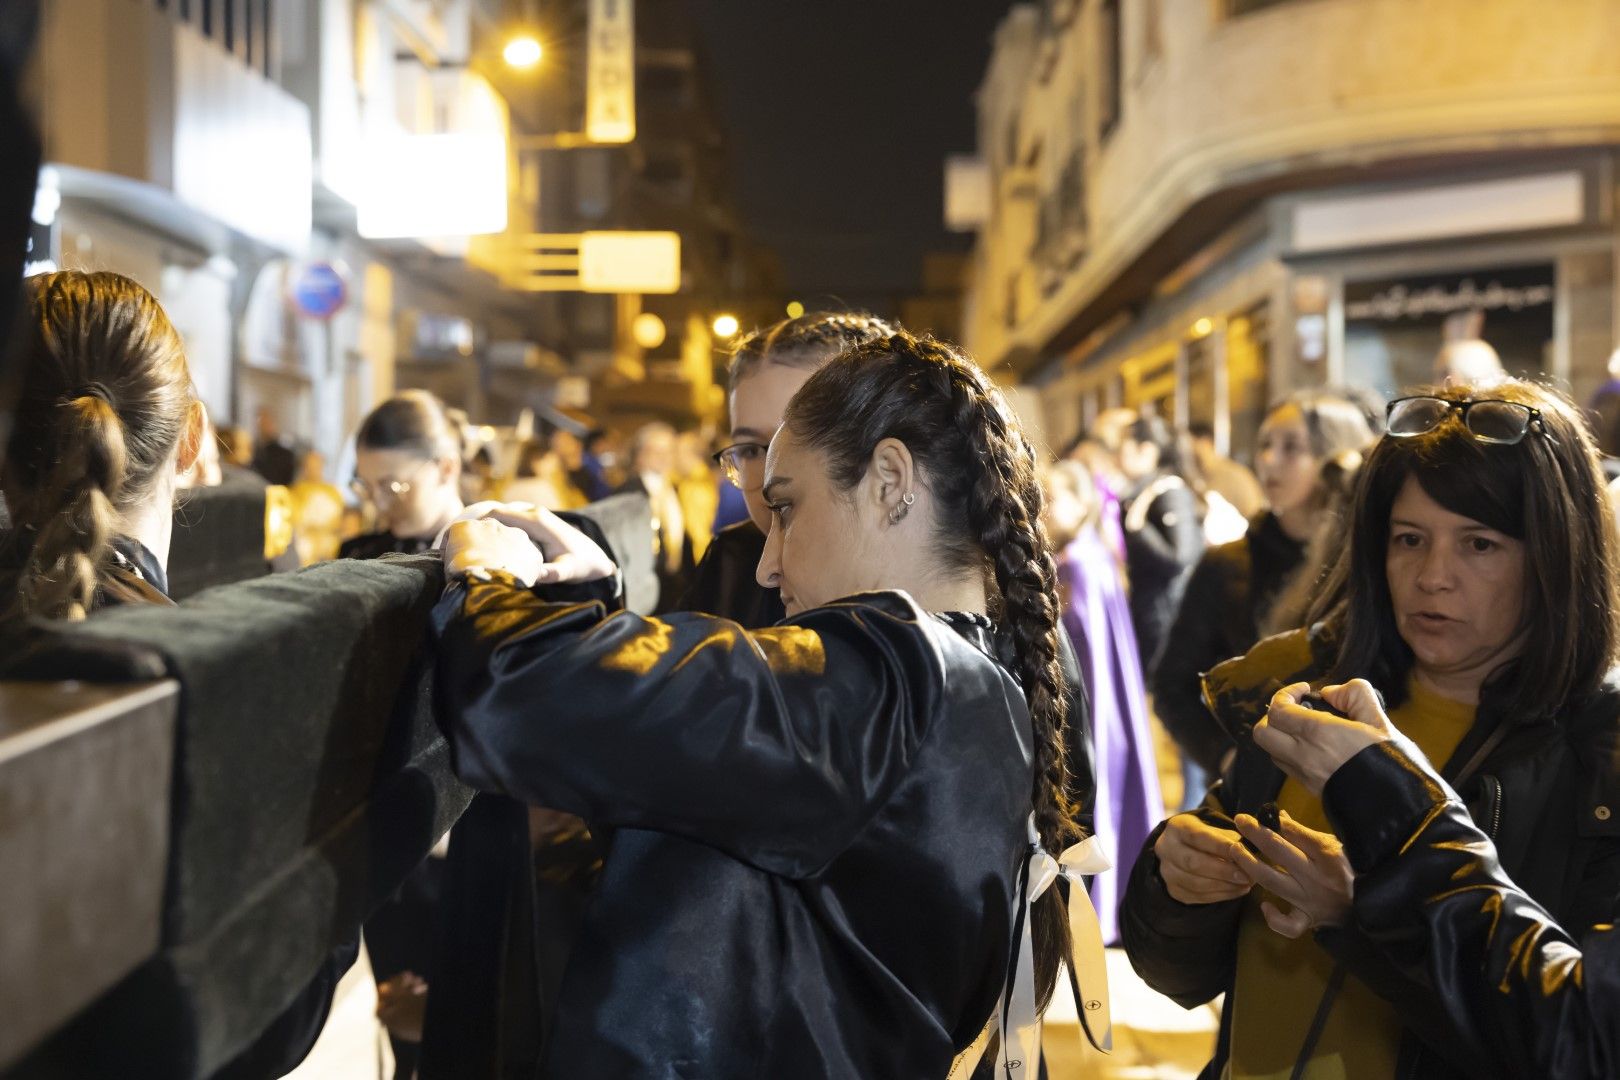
x=105 y=399
x=980 y=471
x=75 y=511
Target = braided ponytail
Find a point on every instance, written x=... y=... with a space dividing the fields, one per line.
x=106 y=395
x=980 y=470
x=75 y=511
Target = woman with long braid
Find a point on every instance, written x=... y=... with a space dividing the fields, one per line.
x=831 y=835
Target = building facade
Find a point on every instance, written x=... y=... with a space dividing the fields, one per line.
x=1202 y=204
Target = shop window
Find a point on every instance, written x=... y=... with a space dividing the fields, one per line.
x=1394 y=328
x=1108 y=63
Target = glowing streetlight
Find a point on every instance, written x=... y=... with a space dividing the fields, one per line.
x=1202 y=328
x=794 y=309
x=648 y=330
x=725 y=326
x=522 y=52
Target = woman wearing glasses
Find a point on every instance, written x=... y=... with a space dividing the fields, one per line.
x=1479 y=599
x=408 y=467
x=766 y=371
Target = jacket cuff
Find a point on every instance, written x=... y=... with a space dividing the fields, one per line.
x=1379 y=798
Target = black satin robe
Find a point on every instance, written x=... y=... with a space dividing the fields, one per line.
x=818 y=828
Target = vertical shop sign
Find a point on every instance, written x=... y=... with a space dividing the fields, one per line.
x=610 y=72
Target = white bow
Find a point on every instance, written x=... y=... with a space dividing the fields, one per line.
x=1018 y=1019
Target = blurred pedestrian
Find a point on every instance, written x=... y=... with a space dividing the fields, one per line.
x=317 y=512
x=1230 y=593
x=652 y=473
x=1163 y=534
x=1096 y=614
x=1231 y=480
x=274 y=457
x=408 y=468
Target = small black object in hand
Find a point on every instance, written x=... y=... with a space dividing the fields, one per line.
x=1317 y=703
x=1270 y=816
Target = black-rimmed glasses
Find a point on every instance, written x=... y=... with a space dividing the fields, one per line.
x=1490 y=420
x=742 y=461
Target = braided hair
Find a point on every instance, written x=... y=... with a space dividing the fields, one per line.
x=805 y=342
x=980 y=471
x=106 y=397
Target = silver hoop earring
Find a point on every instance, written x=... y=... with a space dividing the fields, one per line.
x=907 y=501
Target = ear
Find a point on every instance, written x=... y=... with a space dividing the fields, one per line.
x=191 y=438
x=449 y=469
x=891 y=474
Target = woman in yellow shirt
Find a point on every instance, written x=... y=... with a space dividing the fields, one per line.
x=1478 y=595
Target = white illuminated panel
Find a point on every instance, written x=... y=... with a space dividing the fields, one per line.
x=1400 y=217
x=630 y=262
x=434 y=186
x=610 y=72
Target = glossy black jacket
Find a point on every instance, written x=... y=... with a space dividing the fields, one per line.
x=1544 y=794
x=1432 y=896
x=817 y=828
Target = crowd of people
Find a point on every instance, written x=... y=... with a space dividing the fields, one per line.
x=837 y=807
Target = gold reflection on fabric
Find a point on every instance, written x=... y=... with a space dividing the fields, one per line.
x=641 y=651
x=792 y=650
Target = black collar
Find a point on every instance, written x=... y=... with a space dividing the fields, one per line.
x=132 y=555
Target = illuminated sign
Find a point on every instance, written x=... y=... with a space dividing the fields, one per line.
x=610 y=72
x=434 y=185
x=630 y=262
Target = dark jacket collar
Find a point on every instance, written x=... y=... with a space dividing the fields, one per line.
x=132 y=556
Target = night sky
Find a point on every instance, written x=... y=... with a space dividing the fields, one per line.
x=840 y=114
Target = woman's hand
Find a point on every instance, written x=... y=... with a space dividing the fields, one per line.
x=480 y=547
x=531 y=543
x=402 y=1006
x=1197 y=861
x=1307 y=869
x=1309 y=745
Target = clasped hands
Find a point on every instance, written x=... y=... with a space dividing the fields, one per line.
x=529 y=542
x=1202 y=863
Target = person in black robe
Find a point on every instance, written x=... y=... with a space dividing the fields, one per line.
x=819 y=830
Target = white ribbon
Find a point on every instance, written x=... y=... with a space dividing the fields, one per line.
x=1018 y=1019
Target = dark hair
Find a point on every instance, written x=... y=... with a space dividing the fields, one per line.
x=413 y=420
x=106 y=396
x=1547 y=491
x=980 y=470
x=1150 y=427
x=805 y=342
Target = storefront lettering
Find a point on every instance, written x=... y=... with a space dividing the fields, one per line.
x=1401 y=302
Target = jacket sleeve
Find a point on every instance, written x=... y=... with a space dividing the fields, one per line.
x=1432 y=898
x=1194 y=645
x=1187 y=952
x=774 y=746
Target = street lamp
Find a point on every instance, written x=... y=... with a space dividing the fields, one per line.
x=522 y=52
x=725 y=326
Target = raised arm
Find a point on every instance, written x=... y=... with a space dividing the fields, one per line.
x=775 y=746
x=1432 y=897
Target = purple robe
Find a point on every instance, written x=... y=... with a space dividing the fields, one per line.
x=1129 y=805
